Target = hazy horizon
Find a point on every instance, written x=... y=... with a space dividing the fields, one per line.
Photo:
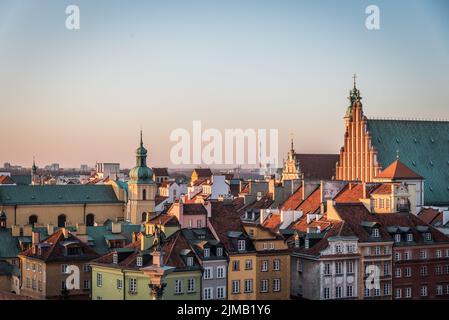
x=81 y=97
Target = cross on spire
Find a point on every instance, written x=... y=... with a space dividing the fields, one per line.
x=355 y=78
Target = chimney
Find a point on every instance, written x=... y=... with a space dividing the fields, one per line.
x=445 y=217
x=158 y=260
x=16 y=230
x=50 y=229
x=27 y=230
x=116 y=227
x=35 y=238
x=144 y=242
x=65 y=232
x=81 y=229
x=208 y=207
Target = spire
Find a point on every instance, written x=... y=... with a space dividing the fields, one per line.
x=141 y=138
x=355 y=78
x=34 y=167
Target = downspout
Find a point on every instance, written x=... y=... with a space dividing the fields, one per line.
x=15 y=214
x=124 y=285
x=84 y=213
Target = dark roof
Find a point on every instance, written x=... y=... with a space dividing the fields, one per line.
x=422 y=146
x=193 y=208
x=22 y=180
x=9 y=246
x=430 y=216
x=53 y=249
x=203 y=173
x=318 y=166
x=165 y=220
x=161 y=172
x=57 y=194
x=6 y=180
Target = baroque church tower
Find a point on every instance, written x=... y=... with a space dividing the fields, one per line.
x=291 y=170
x=358 y=157
x=141 y=188
x=35 y=178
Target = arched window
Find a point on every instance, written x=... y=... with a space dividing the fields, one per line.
x=32 y=219
x=61 y=220
x=144 y=194
x=90 y=220
x=144 y=216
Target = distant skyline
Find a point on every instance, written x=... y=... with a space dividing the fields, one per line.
x=80 y=97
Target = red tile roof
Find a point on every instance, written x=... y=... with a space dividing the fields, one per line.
x=353 y=192
x=165 y=220
x=293 y=201
x=225 y=218
x=398 y=170
x=312 y=203
x=430 y=215
x=193 y=208
x=6 y=180
x=273 y=221
x=384 y=188
x=203 y=173
x=160 y=172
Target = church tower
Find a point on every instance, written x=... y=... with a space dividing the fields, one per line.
x=291 y=170
x=141 y=188
x=358 y=157
x=35 y=178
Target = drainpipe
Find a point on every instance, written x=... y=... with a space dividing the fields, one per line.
x=84 y=213
x=15 y=214
x=124 y=285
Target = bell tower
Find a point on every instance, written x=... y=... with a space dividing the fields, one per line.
x=141 y=188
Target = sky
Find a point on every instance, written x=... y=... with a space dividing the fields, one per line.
x=81 y=96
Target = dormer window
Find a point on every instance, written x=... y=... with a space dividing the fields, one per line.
x=241 y=245
x=219 y=252
x=306 y=243
x=338 y=249
x=139 y=261
x=73 y=251
x=397 y=237
x=189 y=261
x=376 y=233
x=206 y=253
x=297 y=243
x=115 y=258
x=409 y=237
x=428 y=236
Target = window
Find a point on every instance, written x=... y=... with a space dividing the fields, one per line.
x=423 y=291
x=376 y=233
x=327 y=293
x=63 y=285
x=423 y=271
x=241 y=245
x=367 y=292
x=221 y=292
x=350 y=266
x=235 y=265
x=271 y=245
x=90 y=220
x=376 y=251
x=86 y=284
x=276 y=264
x=33 y=267
x=386 y=268
x=398 y=273
x=397 y=256
x=377 y=292
x=86 y=267
x=264 y=266
x=338 y=292
x=327 y=269
x=276 y=285
x=409 y=237
x=28 y=283
x=61 y=220
x=248 y=265
x=387 y=289
x=34 y=284
x=397 y=237
x=119 y=284
x=408 y=292
x=338 y=268
x=208 y=293
x=220 y=272
x=349 y=291
x=139 y=261
x=191 y=285
x=63 y=268
x=296 y=242
x=423 y=254
x=99 y=298
x=428 y=236
x=438 y=270
x=208 y=273
x=439 y=290
x=32 y=219
x=178 y=286
x=189 y=261
x=398 y=294
x=407 y=272
x=115 y=258
x=219 y=252
x=447 y=253
x=306 y=244
x=235 y=286
x=133 y=285
x=338 y=248
x=144 y=194
x=39 y=285
x=248 y=285
x=438 y=254
x=407 y=255
x=99 y=279
x=446 y=269
x=299 y=267
x=264 y=285
x=199 y=223
x=27 y=265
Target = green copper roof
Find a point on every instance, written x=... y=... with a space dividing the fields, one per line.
x=423 y=146
x=57 y=194
x=8 y=244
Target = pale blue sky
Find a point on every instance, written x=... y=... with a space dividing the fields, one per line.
x=81 y=96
